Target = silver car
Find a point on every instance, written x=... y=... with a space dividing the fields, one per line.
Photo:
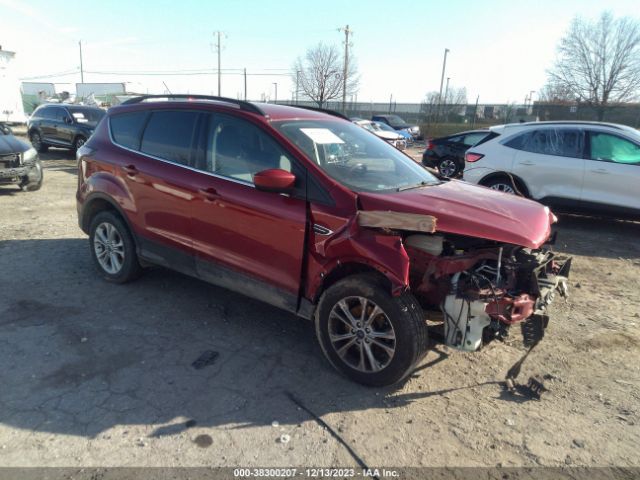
x=571 y=166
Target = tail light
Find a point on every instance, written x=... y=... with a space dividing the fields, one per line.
x=430 y=145
x=472 y=157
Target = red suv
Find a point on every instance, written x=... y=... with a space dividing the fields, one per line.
x=304 y=210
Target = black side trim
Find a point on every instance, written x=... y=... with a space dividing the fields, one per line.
x=316 y=109
x=567 y=205
x=246 y=285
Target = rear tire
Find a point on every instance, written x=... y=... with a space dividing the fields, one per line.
x=381 y=338
x=78 y=142
x=448 y=167
x=113 y=249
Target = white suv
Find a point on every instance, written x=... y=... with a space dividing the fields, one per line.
x=575 y=166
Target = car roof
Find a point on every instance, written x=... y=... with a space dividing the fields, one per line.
x=466 y=132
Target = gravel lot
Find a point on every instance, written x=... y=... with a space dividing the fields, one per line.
x=95 y=374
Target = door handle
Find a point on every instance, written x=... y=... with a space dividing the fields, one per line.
x=527 y=163
x=209 y=193
x=130 y=170
x=601 y=171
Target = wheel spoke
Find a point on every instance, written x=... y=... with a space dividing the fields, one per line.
x=341 y=337
x=342 y=351
x=101 y=235
x=334 y=314
x=361 y=365
x=364 y=302
x=390 y=351
x=345 y=308
x=372 y=361
x=388 y=335
x=372 y=316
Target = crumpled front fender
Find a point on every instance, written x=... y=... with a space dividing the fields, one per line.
x=354 y=244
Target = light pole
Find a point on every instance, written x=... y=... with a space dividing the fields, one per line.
x=444 y=67
x=276 y=96
x=297 y=84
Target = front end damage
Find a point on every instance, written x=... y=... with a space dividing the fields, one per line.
x=482 y=288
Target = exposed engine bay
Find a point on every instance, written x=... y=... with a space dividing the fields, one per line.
x=483 y=287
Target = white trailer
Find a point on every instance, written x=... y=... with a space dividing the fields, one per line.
x=11 y=108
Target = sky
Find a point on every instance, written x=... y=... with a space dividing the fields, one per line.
x=499 y=50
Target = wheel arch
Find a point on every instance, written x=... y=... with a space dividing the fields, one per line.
x=99 y=202
x=520 y=183
x=344 y=270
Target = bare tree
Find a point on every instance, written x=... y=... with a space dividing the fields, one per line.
x=553 y=92
x=454 y=102
x=599 y=61
x=319 y=74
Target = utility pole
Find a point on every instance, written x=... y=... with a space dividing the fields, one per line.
x=475 y=112
x=218 y=49
x=297 y=84
x=345 y=70
x=444 y=67
x=81 y=68
x=276 y=95
x=245 y=84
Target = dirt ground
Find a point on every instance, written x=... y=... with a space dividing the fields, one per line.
x=95 y=374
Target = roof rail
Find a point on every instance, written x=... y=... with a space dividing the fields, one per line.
x=316 y=109
x=247 y=106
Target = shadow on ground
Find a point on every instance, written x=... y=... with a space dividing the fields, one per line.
x=81 y=355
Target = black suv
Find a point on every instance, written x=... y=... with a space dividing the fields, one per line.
x=447 y=153
x=62 y=125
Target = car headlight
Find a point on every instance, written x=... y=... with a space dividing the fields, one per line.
x=29 y=156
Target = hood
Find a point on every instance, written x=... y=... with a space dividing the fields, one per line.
x=10 y=144
x=470 y=210
x=388 y=135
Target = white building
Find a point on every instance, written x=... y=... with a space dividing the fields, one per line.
x=11 y=109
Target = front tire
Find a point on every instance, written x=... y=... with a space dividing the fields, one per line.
x=505 y=184
x=113 y=249
x=36 y=141
x=368 y=335
x=33 y=180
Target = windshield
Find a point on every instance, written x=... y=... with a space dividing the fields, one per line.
x=384 y=126
x=86 y=115
x=358 y=160
x=396 y=121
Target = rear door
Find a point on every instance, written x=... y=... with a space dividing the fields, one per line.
x=47 y=123
x=245 y=239
x=157 y=171
x=612 y=173
x=551 y=163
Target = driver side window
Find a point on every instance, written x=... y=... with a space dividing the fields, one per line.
x=237 y=149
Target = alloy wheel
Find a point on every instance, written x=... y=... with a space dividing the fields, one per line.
x=448 y=167
x=362 y=334
x=502 y=187
x=109 y=248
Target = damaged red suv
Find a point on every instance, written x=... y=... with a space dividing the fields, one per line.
x=306 y=211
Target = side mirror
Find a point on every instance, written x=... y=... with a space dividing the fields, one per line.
x=274 y=180
x=68 y=120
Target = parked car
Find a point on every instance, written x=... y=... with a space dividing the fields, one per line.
x=408 y=138
x=447 y=153
x=306 y=211
x=573 y=166
x=398 y=123
x=62 y=125
x=393 y=138
x=19 y=163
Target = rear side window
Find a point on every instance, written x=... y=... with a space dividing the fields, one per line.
x=46 y=112
x=488 y=136
x=551 y=141
x=170 y=135
x=474 y=138
x=126 y=128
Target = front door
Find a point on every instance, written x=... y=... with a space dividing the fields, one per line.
x=246 y=239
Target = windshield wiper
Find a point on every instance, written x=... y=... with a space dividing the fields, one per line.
x=409 y=187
